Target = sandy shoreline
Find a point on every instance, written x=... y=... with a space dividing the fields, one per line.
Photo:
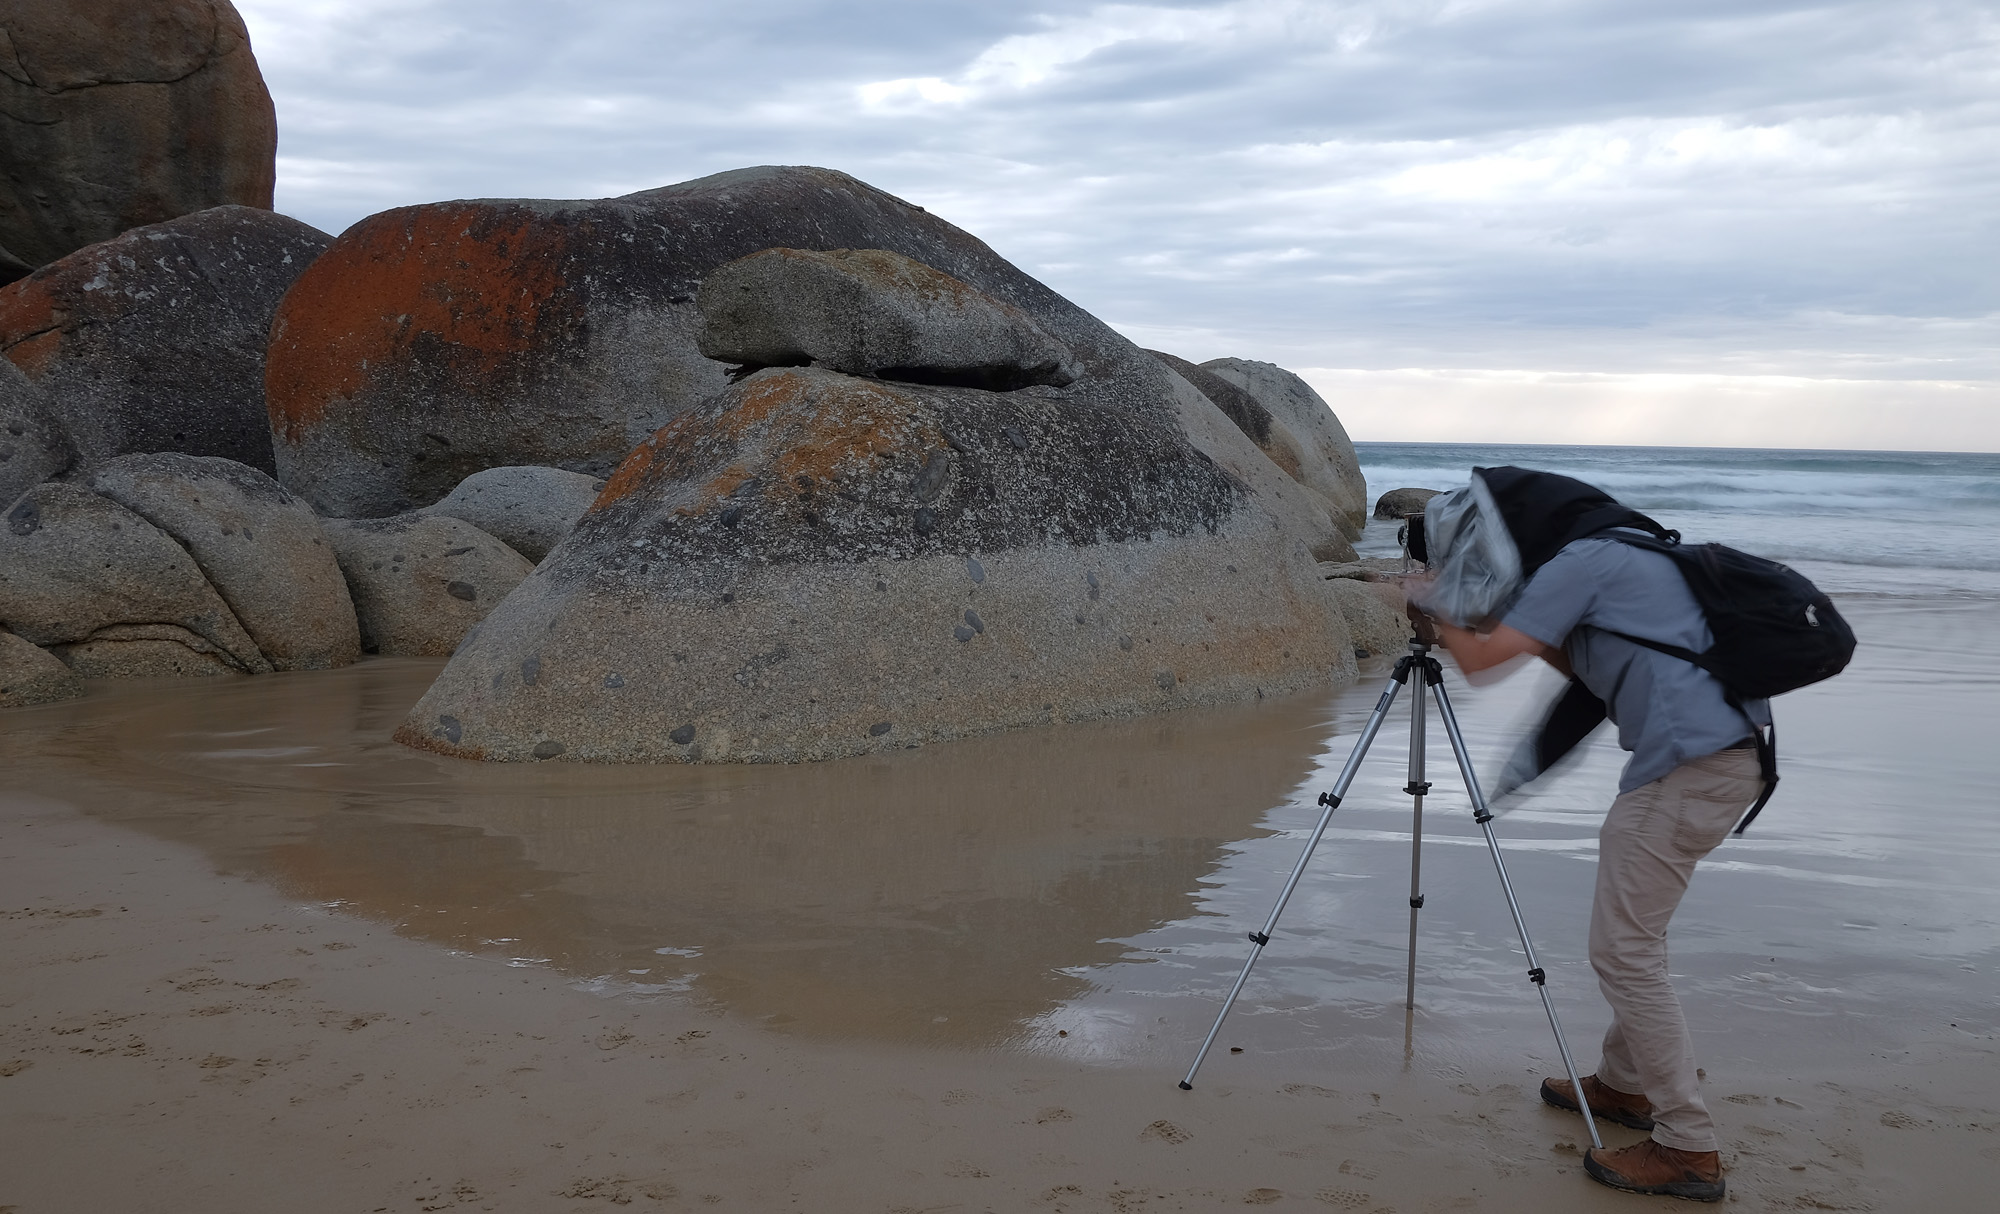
x=176 y=1039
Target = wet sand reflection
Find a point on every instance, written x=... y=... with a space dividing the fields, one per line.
x=943 y=895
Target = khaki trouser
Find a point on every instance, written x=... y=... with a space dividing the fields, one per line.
x=1646 y=853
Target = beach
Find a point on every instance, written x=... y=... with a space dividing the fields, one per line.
x=260 y=957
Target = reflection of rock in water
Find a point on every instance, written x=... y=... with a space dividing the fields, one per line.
x=934 y=894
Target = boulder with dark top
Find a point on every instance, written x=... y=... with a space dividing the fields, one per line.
x=155 y=340
x=120 y=113
x=813 y=564
x=30 y=674
x=871 y=312
x=78 y=568
x=435 y=341
x=421 y=582
x=32 y=447
x=1275 y=440
x=261 y=548
x=1329 y=463
x=1401 y=503
x=528 y=509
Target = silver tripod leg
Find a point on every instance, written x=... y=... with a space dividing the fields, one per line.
x=1331 y=800
x=1418 y=786
x=1484 y=818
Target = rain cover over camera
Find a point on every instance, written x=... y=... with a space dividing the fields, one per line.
x=1474 y=564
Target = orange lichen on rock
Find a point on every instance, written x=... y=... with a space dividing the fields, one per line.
x=805 y=429
x=32 y=320
x=485 y=281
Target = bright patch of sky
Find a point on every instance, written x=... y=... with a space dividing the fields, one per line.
x=1751 y=222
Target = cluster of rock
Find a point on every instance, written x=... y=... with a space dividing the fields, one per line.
x=767 y=466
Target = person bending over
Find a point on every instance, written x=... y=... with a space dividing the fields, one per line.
x=1693 y=772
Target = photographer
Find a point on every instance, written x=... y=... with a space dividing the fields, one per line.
x=1507 y=581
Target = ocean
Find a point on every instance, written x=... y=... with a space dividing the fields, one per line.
x=1871 y=522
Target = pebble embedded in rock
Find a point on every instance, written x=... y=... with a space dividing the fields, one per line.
x=461 y=590
x=972 y=618
x=975 y=570
x=1166 y=679
x=614 y=680
x=879 y=728
x=963 y=633
x=549 y=749
x=531 y=671
x=682 y=736
x=1125 y=643
x=449 y=729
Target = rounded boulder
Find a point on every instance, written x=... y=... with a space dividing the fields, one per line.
x=122 y=113
x=155 y=340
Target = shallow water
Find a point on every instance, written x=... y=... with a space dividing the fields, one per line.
x=1085 y=890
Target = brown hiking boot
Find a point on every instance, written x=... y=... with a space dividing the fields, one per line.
x=1648 y=1167
x=1607 y=1104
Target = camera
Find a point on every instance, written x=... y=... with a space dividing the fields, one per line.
x=1411 y=536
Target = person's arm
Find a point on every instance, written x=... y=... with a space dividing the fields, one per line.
x=1478 y=651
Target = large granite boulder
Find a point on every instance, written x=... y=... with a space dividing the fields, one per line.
x=1330 y=466
x=30 y=674
x=1376 y=622
x=871 y=312
x=155 y=340
x=812 y=564
x=421 y=582
x=32 y=447
x=528 y=509
x=432 y=342
x=77 y=568
x=120 y=113
x=260 y=547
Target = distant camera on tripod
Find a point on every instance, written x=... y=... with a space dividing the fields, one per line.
x=1411 y=536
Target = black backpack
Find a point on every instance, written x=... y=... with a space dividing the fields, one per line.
x=1774 y=631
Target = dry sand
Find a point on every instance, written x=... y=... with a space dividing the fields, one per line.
x=248 y=1012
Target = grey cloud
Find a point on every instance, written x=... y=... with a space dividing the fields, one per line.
x=1651 y=184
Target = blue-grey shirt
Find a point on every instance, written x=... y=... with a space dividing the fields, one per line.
x=1667 y=711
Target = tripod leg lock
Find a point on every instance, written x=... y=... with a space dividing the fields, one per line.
x=1329 y=800
x=1483 y=817
x=1259 y=939
x=1417 y=788
x=1537 y=977
x=1417 y=903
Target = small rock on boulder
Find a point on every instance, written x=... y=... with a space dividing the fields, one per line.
x=260 y=547
x=124 y=112
x=32 y=447
x=155 y=341
x=1331 y=465
x=77 y=567
x=30 y=674
x=529 y=509
x=871 y=312
x=1402 y=503
x=421 y=582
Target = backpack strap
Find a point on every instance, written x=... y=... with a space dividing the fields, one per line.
x=1766 y=736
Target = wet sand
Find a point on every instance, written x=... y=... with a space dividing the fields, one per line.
x=257 y=957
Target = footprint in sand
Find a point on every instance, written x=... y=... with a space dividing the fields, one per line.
x=1307 y=1089
x=1053 y=1114
x=1343 y=1199
x=1263 y=1197
x=1164 y=1131
x=1896 y=1120
x=960 y=1096
x=1358 y=1170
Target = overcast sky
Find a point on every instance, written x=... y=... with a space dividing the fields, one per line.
x=1654 y=221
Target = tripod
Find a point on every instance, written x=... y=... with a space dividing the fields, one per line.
x=1416 y=662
